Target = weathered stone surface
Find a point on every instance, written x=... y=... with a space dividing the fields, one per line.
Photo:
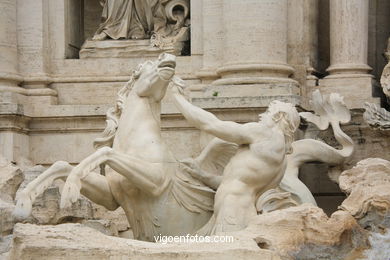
x=30 y=174
x=302 y=232
x=376 y=117
x=117 y=217
x=305 y=232
x=6 y=219
x=73 y=241
x=380 y=246
x=104 y=226
x=46 y=209
x=368 y=186
x=5 y=246
x=10 y=179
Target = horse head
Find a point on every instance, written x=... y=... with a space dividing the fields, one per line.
x=153 y=77
x=151 y=80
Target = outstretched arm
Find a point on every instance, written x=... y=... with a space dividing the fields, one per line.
x=206 y=121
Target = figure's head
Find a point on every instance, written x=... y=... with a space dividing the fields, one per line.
x=285 y=116
x=152 y=78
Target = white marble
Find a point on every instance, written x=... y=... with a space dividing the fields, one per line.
x=257 y=166
x=140 y=174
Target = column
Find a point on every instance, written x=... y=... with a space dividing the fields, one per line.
x=196 y=34
x=13 y=140
x=303 y=43
x=348 y=70
x=255 y=48
x=8 y=46
x=33 y=43
x=348 y=37
x=212 y=40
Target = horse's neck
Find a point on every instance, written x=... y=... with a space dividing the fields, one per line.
x=141 y=111
x=139 y=131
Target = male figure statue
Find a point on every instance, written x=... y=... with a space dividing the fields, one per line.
x=258 y=165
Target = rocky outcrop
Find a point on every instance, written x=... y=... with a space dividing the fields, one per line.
x=306 y=232
x=380 y=247
x=6 y=219
x=303 y=232
x=5 y=246
x=358 y=230
x=10 y=179
x=368 y=187
x=46 y=208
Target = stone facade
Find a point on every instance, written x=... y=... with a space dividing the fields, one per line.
x=53 y=103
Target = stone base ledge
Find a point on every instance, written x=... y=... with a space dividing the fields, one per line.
x=74 y=241
x=123 y=49
x=356 y=91
x=168 y=108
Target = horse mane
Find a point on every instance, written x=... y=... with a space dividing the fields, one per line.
x=114 y=113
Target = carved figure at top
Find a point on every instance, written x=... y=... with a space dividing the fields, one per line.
x=258 y=165
x=138 y=19
x=139 y=172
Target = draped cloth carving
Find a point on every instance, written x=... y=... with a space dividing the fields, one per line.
x=132 y=19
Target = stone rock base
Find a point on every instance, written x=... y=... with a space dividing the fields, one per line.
x=303 y=232
x=74 y=241
x=360 y=229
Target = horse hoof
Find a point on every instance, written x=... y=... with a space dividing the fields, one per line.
x=23 y=207
x=70 y=194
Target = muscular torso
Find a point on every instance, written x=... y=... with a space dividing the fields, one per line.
x=255 y=168
x=257 y=164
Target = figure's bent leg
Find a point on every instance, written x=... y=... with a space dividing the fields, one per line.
x=145 y=175
x=95 y=187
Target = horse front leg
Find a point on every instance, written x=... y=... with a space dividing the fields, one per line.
x=147 y=176
x=94 y=186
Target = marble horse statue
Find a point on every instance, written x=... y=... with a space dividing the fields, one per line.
x=137 y=170
x=133 y=168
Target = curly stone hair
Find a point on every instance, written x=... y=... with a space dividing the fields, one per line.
x=287 y=118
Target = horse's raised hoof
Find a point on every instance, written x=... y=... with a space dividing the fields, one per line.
x=70 y=192
x=23 y=207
